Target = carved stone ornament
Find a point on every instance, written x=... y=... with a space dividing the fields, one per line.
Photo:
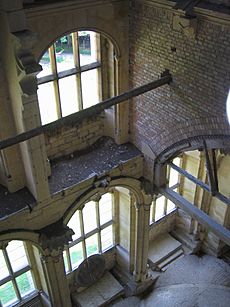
x=55 y=236
x=24 y=42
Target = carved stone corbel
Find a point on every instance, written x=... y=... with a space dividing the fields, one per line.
x=54 y=237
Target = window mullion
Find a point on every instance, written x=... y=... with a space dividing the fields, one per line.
x=82 y=233
x=165 y=205
x=11 y=274
x=69 y=260
x=154 y=208
x=55 y=82
x=98 y=226
x=76 y=56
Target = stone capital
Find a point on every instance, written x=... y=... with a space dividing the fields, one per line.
x=54 y=237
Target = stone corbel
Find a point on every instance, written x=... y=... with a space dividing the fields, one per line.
x=186 y=25
x=27 y=67
x=54 y=237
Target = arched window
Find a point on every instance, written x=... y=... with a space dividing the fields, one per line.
x=16 y=278
x=94 y=231
x=71 y=79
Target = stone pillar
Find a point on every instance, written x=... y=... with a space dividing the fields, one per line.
x=33 y=150
x=53 y=264
x=53 y=238
x=138 y=242
x=145 y=240
x=142 y=240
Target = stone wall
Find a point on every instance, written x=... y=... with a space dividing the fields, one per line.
x=164 y=225
x=66 y=140
x=195 y=102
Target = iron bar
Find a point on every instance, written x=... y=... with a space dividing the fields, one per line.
x=203 y=185
x=204 y=219
x=86 y=113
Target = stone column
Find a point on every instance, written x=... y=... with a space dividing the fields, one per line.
x=138 y=242
x=53 y=264
x=145 y=241
x=53 y=238
x=142 y=240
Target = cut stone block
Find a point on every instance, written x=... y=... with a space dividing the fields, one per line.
x=103 y=291
x=170 y=259
x=161 y=248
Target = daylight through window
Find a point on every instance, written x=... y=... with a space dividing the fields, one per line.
x=16 y=280
x=71 y=77
x=161 y=206
x=94 y=231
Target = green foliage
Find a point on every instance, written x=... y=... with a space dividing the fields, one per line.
x=23 y=283
x=7 y=293
x=91 y=249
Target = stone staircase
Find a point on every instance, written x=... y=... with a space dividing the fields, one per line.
x=163 y=251
x=190 y=244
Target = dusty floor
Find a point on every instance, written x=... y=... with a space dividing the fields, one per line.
x=11 y=203
x=99 y=159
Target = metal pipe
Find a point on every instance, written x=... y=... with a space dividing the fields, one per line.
x=87 y=113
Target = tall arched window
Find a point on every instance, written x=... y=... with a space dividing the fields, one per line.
x=94 y=231
x=71 y=79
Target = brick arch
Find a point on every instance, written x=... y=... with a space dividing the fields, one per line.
x=183 y=135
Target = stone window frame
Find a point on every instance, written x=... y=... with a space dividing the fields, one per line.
x=13 y=275
x=84 y=236
x=152 y=218
x=55 y=76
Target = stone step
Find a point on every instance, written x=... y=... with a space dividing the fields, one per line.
x=170 y=259
x=161 y=248
x=166 y=266
x=187 y=240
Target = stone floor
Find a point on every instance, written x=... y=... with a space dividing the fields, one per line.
x=99 y=159
x=11 y=203
x=191 y=281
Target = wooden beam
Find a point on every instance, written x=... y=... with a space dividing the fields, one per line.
x=86 y=113
x=203 y=185
x=204 y=219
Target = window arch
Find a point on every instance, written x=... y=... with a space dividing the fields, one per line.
x=72 y=76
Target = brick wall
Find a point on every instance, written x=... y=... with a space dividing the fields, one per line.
x=195 y=103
